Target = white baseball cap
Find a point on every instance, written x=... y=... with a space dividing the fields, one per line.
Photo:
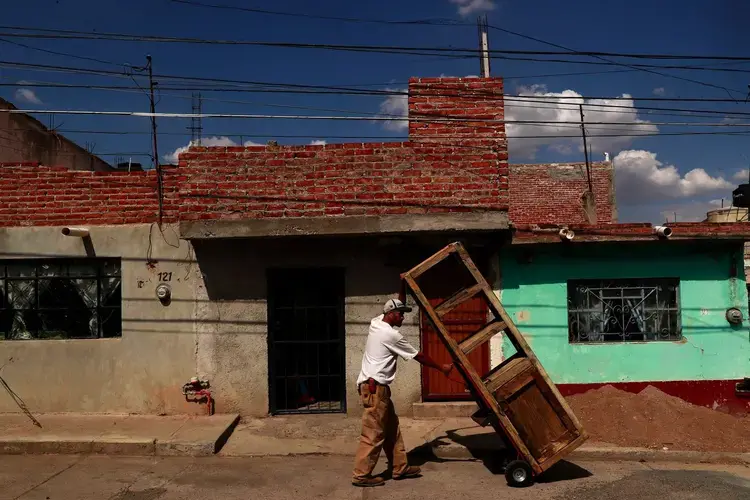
x=395 y=305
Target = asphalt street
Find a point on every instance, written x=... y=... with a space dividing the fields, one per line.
x=50 y=477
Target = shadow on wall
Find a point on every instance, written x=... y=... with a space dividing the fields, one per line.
x=556 y=263
x=237 y=269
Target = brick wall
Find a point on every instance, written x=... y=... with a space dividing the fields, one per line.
x=552 y=193
x=32 y=195
x=340 y=180
x=464 y=111
x=444 y=167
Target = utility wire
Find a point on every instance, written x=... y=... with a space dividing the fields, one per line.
x=439 y=22
x=631 y=66
x=93 y=35
x=359 y=137
x=275 y=87
x=429 y=119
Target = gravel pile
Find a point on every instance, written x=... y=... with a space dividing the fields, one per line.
x=653 y=419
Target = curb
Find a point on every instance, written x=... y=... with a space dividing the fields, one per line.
x=457 y=452
x=119 y=446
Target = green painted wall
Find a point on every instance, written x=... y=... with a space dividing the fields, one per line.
x=534 y=292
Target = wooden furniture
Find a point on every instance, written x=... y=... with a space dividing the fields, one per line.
x=516 y=397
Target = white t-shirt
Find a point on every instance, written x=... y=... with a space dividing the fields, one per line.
x=384 y=343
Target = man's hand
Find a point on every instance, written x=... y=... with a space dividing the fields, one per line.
x=446 y=369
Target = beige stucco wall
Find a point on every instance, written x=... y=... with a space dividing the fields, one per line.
x=215 y=326
x=143 y=371
x=232 y=343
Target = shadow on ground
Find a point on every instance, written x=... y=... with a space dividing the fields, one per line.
x=491 y=450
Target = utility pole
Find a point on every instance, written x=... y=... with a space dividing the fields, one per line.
x=585 y=148
x=159 y=180
x=484 y=47
x=589 y=200
x=196 y=126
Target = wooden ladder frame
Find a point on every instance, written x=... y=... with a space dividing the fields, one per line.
x=483 y=389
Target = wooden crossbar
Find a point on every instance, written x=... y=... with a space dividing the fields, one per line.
x=482 y=336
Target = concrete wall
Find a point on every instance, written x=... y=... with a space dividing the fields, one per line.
x=214 y=327
x=143 y=371
x=711 y=280
x=233 y=345
x=24 y=139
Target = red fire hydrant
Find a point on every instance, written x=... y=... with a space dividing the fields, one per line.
x=197 y=391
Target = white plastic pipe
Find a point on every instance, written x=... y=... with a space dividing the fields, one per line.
x=80 y=232
x=663 y=231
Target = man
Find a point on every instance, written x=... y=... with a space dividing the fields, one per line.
x=380 y=426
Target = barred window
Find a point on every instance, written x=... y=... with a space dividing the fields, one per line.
x=60 y=299
x=624 y=310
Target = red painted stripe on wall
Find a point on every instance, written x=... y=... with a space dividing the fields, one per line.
x=716 y=394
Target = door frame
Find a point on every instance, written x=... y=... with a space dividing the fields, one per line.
x=332 y=272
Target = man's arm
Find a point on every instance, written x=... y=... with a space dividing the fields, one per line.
x=424 y=359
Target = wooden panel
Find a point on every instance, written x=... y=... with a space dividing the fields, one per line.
x=461 y=323
x=451 y=303
x=506 y=372
x=536 y=421
x=482 y=336
x=518 y=340
x=516 y=384
x=477 y=385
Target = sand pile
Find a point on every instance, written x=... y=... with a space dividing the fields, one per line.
x=653 y=419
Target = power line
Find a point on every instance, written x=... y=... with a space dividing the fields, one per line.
x=631 y=66
x=470 y=52
x=429 y=119
x=439 y=22
x=292 y=88
x=616 y=109
x=64 y=54
x=356 y=137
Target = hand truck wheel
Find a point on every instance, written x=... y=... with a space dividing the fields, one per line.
x=518 y=473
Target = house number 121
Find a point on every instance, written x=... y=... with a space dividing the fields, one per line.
x=165 y=276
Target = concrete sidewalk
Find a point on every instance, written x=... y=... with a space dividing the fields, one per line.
x=445 y=439
x=115 y=434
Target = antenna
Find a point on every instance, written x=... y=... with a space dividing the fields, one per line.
x=196 y=125
x=484 y=47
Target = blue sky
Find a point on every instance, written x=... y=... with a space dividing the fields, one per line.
x=656 y=175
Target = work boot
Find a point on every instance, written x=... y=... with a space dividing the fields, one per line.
x=368 y=482
x=411 y=471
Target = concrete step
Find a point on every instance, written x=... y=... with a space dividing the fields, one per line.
x=448 y=409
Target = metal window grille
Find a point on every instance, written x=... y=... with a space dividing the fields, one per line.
x=624 y=310
x=60 y=299
x=306 y=365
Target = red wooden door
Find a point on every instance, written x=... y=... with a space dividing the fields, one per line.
x=463 y=321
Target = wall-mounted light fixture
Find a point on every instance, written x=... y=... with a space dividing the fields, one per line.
x=734 y=316
x=566 y=234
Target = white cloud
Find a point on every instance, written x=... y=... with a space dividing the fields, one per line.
x=466 y=7
x=640 y=177
x=173 y=157
x=27 y=95
x=741 y=175
x=318 y=142
x=659 y=91
x=562 y=112
x=395 y=106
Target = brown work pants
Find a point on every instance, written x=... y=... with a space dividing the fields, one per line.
x=380 y=431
